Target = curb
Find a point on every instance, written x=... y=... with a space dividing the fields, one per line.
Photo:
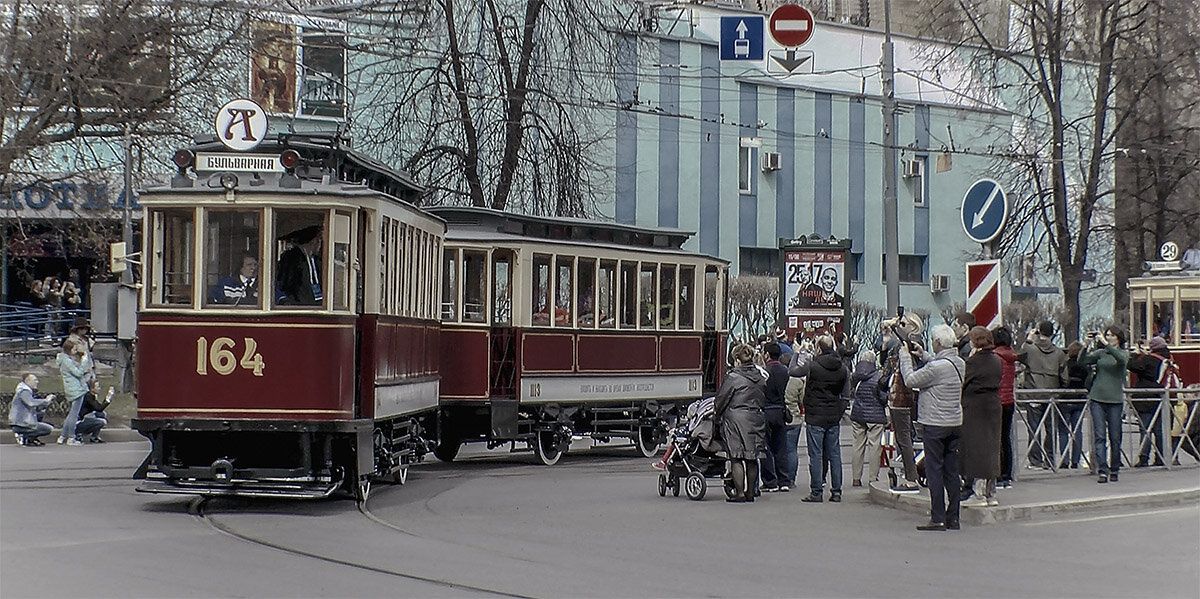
x=112 y=435
x=918 y=503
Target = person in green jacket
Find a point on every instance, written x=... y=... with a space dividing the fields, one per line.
x=1107 y=399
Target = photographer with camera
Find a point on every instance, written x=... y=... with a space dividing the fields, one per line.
x=939 y=414
x=901 y=400
x=1106 y=398
x=1046 y=368
x=24 y=417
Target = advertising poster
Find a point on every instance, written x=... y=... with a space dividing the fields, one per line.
x=814 y=288
x=273 y=67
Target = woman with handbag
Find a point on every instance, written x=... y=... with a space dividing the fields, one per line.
x=78 y=377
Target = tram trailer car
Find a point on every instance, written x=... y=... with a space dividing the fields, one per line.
x=298 y=384
x=1168 y=305
x=557 y=328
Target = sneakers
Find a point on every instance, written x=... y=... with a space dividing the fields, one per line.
x=975 y=502
x=784 y=489
x=96 y=439
x=1004 y=484
x=659 y=465
x=62 y=440
x=1103 y=478
x=770 y=489
x=813 y=498
x=33 y=442
x=74 y=442
x=20 y=439
x=932 y=526
x=1113 y=477
x=835 y=498
x=993 y=502
x=952 y=525
x=907 y=487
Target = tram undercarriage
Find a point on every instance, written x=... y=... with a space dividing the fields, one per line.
x=300 y=460
x=547 y=429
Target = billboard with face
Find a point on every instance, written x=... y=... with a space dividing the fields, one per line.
x=814 y=290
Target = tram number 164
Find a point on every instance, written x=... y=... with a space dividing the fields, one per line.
x=223 y=361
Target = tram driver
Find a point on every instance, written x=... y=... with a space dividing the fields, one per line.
x=299 y=271
x=239 y=289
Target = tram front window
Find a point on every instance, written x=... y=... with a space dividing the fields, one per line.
x=231 y=266
x=299 y=270
x=174 y=246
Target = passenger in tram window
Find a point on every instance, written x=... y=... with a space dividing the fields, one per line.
x=239 y=289
x=299 y=271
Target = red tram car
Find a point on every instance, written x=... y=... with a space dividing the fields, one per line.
x=288 y=337
x=553 y=328
x=1167 y=304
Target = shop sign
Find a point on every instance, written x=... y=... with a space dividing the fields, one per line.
x=65 y=199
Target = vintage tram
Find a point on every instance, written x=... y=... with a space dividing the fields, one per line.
x=554 y=328
x=288 y=338
x=1165 y=302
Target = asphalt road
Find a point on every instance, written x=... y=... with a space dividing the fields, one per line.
x=497 y=524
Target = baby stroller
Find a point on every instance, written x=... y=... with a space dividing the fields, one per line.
x=694 y=455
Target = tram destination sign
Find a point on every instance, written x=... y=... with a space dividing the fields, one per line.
x=260 y=163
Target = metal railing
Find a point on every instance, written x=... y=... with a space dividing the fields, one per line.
x=24 y=327
x=1057 y=428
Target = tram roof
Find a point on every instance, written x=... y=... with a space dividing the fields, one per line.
x=495 y=223
x=321 y=155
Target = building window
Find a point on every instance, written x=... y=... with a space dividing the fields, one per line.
x=855 y=267
x=912 y=268
x=745 y=175
x=758 y=261
x=915 y=175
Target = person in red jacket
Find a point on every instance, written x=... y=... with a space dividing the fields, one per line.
x=1008 y=377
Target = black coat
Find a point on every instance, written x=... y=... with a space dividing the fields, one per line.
x=738 y=412
x=295 y=279
x=823 y=401
x=979 y=451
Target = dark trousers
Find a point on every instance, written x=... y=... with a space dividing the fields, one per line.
x=902 y=426
x=941 y=470
x=1006 y=442
x=774 y=469
x=1151 y=430
x=1106 y=436
x=1040 y=452
x=1069 y=432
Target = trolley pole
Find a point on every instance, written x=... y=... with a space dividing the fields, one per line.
x=891 y=235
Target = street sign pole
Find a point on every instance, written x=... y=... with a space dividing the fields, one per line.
x=891 y=236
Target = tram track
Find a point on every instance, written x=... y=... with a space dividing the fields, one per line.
x=198 y=509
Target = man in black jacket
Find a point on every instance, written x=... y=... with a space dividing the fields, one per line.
x=774 y=474
x=823 y=408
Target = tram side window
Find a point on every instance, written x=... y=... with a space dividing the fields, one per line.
x=606 y=280
x=171 y=269
x=687 y=280
x=628 y=294
x=231 y=263
x=340 y=252
x=300 y=258
x=474 y=286
x=647 y=289
x=385 y=273
x=541 y=290
x=666 y=298
x=585 y=288
x=562 y=291
x=449 y=284
x=502 y=261
x=1189 y=321
x=711 y=289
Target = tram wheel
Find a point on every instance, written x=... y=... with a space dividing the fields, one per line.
x=662 y=485
x=447 y=449
x=645 y=441
x=547 y=448
x=695 y=486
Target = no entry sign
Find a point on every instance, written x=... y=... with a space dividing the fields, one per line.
x=791 y=25
x=983 y=292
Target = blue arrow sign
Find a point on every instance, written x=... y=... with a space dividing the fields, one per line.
x=984 y=210
x=741 y=38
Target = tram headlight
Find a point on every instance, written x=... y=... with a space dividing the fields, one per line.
x=289 y=159
x=229 y=181
x=183 y=159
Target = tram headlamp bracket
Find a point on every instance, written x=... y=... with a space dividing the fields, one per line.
x=229 y=181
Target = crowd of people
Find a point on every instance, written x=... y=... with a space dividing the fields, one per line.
x=958 y=395
x=85 y=417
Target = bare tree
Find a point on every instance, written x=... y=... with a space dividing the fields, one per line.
x=1158 y=158
x=493 y=105
x=753 y=306
x=1054 y=67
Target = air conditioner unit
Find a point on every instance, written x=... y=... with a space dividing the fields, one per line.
x=771 y=161
x=939 y=283
x=913 y=168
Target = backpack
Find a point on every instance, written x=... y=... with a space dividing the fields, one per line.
x=1169 y=376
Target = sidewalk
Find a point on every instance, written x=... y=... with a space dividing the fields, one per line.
x=1040 y=496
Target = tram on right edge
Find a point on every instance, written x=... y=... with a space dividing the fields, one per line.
x=1166 y=302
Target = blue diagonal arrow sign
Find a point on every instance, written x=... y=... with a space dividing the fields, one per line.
x=984 y=210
